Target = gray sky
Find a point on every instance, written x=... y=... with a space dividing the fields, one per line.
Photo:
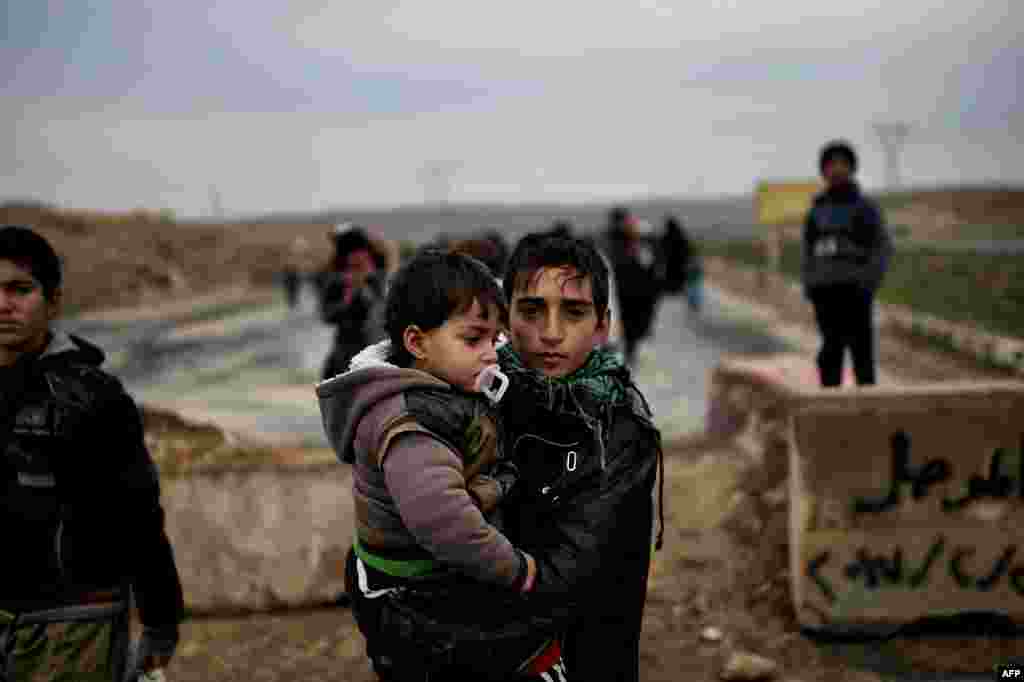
x=306 y=105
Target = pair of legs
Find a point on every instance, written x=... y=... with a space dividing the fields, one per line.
x=405 y=658
x=845 y=316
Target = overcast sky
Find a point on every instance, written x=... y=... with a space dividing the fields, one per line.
x=306 y=105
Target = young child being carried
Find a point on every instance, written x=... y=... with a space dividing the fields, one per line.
x=436 y=587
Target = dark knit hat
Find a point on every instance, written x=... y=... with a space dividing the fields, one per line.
x=838 y=149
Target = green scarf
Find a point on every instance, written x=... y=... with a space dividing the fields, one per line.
x=601 y=382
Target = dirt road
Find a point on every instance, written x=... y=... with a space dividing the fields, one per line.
x=718 y=588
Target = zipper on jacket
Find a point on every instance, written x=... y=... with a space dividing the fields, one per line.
x=546 y=490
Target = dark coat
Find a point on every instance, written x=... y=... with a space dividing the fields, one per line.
x=636 y=281
x=844 y=241
x=357 y=323
x=583 y=507
x=74 y=456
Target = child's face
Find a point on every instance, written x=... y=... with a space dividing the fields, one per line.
x=460 y=349
x=553 y=321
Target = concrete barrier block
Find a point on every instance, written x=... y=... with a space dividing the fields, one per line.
x=908 y=502
x=260 y=538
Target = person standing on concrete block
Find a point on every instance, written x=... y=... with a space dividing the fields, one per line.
x=846 y=252
x=79 y=496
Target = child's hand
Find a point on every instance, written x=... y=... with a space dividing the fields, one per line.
x=531 y=573
x=485 y=491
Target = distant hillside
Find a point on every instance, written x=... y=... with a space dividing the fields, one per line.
x=730 y=217
x=134 y=258
x=973 y=213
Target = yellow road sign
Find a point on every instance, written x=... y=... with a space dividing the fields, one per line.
x=785 y=203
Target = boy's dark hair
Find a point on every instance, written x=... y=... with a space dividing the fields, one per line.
x=430 y=288
x=838 y=149
x=31 y=251
x=541 y=250
x=484 y=250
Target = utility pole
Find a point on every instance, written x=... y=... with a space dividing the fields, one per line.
x=436 y=178
x=892 y=137
x=216 y=205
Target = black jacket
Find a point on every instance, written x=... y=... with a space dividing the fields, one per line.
x=80 y=503
x=583 y=507
x=844 y=241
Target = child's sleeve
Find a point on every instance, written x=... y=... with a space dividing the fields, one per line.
x=489 y=490
x=425 y=479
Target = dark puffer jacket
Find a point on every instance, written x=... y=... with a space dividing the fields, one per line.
x=844 y=241
x=583 y=506
x=74 y=459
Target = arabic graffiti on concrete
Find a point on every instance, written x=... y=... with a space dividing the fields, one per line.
x=877 y=570
x=894 y=569
x=996 y=484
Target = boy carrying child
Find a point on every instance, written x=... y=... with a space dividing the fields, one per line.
x=437 y=589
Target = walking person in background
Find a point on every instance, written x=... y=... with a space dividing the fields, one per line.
x=294 y=270
x=846 y=252
x=679 y=268
x=632 y=260
x=79 y=496
x=352 y=297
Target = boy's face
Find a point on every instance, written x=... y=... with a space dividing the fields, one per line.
x=25 y=313
x=553 y=321
x=460 y=349
x=836 y=171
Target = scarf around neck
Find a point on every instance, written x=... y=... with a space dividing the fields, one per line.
x=601 y=381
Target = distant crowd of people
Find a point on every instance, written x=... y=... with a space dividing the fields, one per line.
x=504 y=461
x=644 y=268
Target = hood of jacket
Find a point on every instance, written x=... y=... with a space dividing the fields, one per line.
x=371 y=378
x=68 y=347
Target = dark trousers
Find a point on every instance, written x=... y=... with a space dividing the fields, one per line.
x=845 y=316
x=401 y=660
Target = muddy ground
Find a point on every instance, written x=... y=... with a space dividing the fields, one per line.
x=719 y=586
x=723 y=566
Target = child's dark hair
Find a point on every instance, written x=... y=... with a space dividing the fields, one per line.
x=540 y=250
x=31 y=251
x=430 y=288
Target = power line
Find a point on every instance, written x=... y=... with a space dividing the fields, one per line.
x=892 y=137
x=216 y=205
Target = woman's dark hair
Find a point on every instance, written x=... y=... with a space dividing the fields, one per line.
x=349 y=241
x=430 y=288
x=31 y=251
x=541 y=250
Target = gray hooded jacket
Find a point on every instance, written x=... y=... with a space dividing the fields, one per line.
x=414 y=442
